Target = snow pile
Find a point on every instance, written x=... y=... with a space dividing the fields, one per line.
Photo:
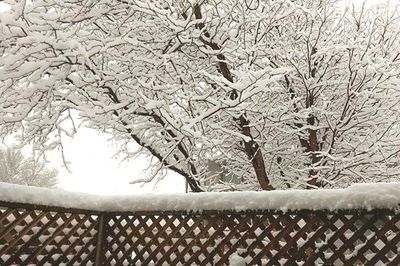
x=359 y=196
x=236 y=260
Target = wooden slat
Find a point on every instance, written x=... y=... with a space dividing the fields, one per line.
x=34 y=239
x=22 y=233
x=40 y=235
x=101 y=240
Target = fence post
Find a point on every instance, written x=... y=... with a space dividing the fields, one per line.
x=101 y=240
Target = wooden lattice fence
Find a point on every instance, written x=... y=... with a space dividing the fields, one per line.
x=39 y=235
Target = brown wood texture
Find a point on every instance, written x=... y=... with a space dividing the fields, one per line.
x=41 y=235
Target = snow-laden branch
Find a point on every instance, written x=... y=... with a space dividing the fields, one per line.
x=290 y=94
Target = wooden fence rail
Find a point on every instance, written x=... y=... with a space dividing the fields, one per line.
x=39 y=235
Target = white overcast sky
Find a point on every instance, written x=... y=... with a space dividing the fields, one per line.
x=95 y=171
x=93 y=168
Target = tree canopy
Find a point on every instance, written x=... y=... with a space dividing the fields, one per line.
x=17 y=169
x=284 y=94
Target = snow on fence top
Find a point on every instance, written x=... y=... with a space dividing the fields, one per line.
x=359 y=196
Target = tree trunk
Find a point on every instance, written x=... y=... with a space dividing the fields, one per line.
x=252 y=148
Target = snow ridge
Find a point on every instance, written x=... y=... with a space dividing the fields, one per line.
x=358 y=196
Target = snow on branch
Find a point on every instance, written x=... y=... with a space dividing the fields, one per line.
x=278 y=93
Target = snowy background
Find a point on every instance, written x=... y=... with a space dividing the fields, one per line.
x=95 y=169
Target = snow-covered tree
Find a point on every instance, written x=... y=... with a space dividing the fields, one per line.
x=280 y=94
x=341 y=97
x=17 y=169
